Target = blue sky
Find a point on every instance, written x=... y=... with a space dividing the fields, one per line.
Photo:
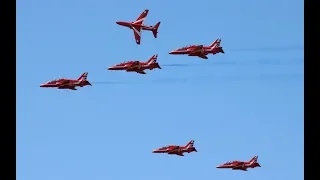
x=234 y=105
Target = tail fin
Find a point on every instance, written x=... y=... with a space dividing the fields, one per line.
x=153 y=59
x=215 y=44
x=83 y=76
x=155 y=29
x=254 y=159
x=190 y=144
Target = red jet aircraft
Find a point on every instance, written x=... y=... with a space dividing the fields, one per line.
x=137 y=66
x=200 y=50
x=177 y=150
x=241 y=165
x=138 y=25
x=68 y=83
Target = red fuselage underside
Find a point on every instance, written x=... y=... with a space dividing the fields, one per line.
x=65 y=86
x=143 y=67
x=130 y=25
x=197 y=53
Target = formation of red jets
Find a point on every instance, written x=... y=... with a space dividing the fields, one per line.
x=189 y=147
x=139 y=67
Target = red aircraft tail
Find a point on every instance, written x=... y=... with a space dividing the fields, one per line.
x=83 y=76
x=155 y=30
x=254 y=159
x=190 y=144
x=153 y=59
x=216 y=44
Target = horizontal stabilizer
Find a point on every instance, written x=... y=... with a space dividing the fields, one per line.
x=155 y=29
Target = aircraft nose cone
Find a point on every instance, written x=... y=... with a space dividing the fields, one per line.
x=110 y=68
x=174 y=52
x=42 y=85
x=121 y=23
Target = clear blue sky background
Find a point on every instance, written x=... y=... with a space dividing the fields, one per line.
x=234 y=105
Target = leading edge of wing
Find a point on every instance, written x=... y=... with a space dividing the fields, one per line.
x=137 y=34
x=142 y=17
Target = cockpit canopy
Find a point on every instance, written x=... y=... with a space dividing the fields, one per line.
x=164 y=147
x=185 y=47
x=52 y=81
x=126 y=62
x=55 y=80
x=230 y=162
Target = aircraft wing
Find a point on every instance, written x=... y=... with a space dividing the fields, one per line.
x=136 y=66
x=141 y=18
x=173 y=149
x=203 y=56
x=72 y=88
x=138 y=22
x=137 y=34
x=179 y=154
x=197 y=49
x=63 y=82
x=176 y=150
x=244 y=168
x=238 y=165
x=67 y=84
x=141 y=72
